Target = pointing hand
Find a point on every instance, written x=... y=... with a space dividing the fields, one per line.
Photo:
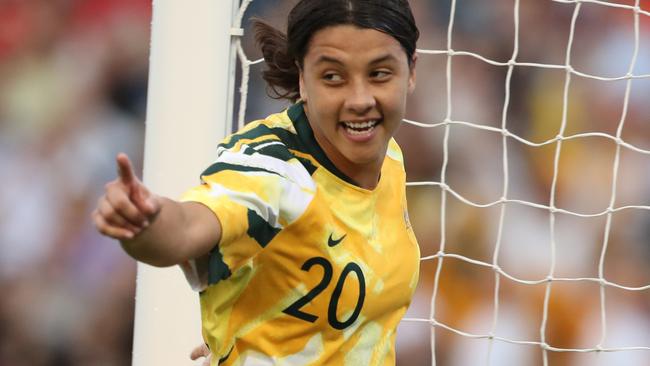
x=127 y=207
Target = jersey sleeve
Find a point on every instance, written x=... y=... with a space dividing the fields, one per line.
x=255 y=191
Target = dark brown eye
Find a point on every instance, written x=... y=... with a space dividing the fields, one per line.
x=380 y=74
x=332 y=77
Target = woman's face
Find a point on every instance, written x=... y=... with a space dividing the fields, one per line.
x=354 y=84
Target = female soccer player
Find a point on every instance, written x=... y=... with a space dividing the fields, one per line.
x=298 y=236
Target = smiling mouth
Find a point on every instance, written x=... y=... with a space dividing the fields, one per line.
x=361 y=128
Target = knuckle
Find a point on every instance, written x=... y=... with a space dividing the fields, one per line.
x=106 y=211
x=97 y=219
x=99 y=222
x=103 y=230
x=121 y=206
x=127 y=211
x=113 y=220
x=108 y=186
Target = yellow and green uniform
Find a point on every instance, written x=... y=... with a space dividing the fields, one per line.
x=311 y=269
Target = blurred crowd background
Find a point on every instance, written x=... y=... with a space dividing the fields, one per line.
x=73 y=79
x=73 y=82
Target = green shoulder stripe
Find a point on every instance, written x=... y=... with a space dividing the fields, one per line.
x=255 y=133
x=259 y=229
x=302 y=141
x=220 y=166
x=217 y=269
x=290 y=141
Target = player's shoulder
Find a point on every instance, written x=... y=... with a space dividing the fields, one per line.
x=264 y=147
x=267 y=136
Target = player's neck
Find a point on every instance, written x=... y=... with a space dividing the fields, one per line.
x=366 y=177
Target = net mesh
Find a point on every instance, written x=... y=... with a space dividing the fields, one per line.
x=552 y=209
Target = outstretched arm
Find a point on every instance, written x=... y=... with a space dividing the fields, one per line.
x=151 y=228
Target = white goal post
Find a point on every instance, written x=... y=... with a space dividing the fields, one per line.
x=189 y=110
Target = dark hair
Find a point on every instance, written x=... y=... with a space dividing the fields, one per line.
x=284 y=54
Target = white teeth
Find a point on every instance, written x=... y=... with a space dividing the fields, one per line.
x=361 y=132
x=360 y=128
x=360 y=125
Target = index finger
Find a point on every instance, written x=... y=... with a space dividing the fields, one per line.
x=125 y=169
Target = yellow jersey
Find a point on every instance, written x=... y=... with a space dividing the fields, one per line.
x=310 y=269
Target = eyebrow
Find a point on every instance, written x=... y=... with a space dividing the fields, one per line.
x=380 y=59
x=325 y=58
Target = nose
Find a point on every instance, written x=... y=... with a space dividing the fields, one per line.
x=360 y=98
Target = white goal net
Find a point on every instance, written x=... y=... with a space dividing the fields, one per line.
x=527 y=147
x=530 y=187
x=530 y=193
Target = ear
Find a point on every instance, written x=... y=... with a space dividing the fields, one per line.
x=301 y=84
x=411 y=82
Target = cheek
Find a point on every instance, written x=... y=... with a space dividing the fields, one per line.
x=325 y=103
x=323 y=108
x=394 y=103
